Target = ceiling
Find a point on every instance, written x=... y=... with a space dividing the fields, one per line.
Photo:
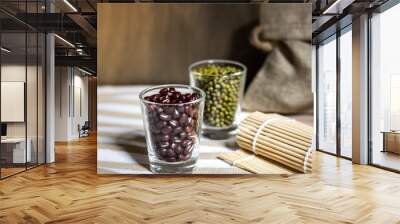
x=76 y=22
x=332 y=15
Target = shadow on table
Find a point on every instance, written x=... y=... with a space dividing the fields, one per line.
x=229 y=138
x=134 y=142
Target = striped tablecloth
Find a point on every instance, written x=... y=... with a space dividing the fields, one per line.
x=121 y=141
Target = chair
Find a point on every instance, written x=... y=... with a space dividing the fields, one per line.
x=84 y=130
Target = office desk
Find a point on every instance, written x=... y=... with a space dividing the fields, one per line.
x=391 y=141
x=13 y=150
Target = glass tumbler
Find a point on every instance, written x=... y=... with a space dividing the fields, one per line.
x=172 y=126
x=223 y=82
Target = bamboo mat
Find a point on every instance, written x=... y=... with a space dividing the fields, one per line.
x=254 y=164
x=271 y=137
x=122 y=147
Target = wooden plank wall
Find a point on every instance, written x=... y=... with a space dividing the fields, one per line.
x=155 y=43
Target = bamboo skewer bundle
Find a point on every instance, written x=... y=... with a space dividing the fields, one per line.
x=276 y=138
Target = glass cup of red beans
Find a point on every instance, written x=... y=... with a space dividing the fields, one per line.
x=172 y=117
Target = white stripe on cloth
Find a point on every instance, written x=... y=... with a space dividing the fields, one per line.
x=113 y=120
x=136 y=158
x=113 y=107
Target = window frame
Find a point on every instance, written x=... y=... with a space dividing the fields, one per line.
x=333 y=37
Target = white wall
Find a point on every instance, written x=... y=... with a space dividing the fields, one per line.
x=80 y=104
x=16 y=73
x=62 y=82
x=71 y=94
x=13 y=101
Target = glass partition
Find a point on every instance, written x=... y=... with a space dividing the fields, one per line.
x=32 y=97
x=23 y=91
x=14 y=153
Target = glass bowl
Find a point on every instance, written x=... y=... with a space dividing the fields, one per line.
x=223 y=82
x=172 y=129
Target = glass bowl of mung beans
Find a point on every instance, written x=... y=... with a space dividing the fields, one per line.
x=223 y=82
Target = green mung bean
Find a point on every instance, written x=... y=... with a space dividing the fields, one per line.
x=222 y=88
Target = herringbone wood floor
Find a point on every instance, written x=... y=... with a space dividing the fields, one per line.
x=70 y=191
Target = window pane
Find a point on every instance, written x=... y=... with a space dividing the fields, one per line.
x=327 y=96
x=385 y=114
x=346 y=93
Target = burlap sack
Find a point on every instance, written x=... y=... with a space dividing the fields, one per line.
x=283 y=84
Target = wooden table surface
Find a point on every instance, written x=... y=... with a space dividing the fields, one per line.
x=121 y=143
